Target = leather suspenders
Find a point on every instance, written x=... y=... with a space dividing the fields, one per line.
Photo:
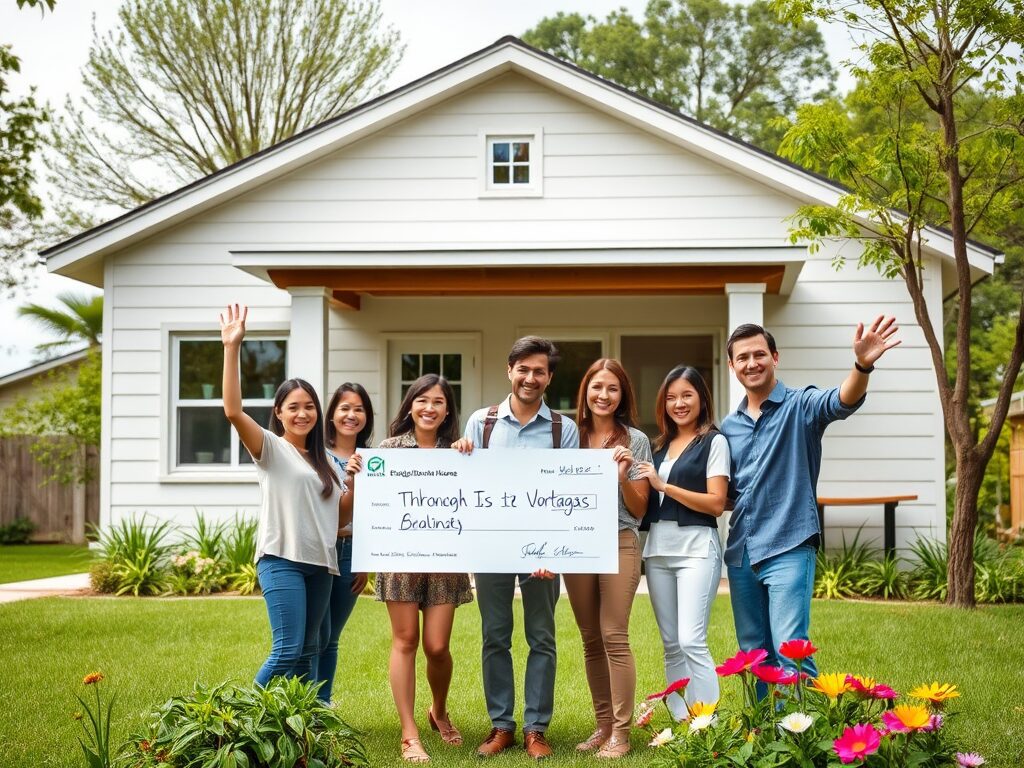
x=492 y=418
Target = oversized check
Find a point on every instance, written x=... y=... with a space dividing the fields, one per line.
x=494 y=511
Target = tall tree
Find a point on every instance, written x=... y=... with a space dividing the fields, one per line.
x=182 y=88
x=735 y=67
x=945 y=79
x=80 y=322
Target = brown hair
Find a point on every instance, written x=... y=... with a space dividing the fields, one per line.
x=316 y=454
x=448 y=429
x=667 y=429
x=625 y=414
x=534 y=345
x=749 y=331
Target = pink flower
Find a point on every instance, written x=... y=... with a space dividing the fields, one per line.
x=676 y=687
x=797 y=650
x=644 y=714
x=934 y=723
x=741 y=662
x=792 y=679
x=769 y=674
x=857 y=742
x=883 y=692
x=969 y=759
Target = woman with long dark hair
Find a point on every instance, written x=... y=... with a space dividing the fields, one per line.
x=347 y=428
x=301 y=497
x=601 y=603
x=689 y=479
x=427 y=418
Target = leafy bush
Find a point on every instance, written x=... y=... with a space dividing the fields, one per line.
x=193 y=574
x=232 y=725
x=837 y=575
x=103 y=578
x=206 y=538
x=928 y=578
x=245 y=580
x=883 y=578
x=18 y=531
x=138 y=555
x=239 y=555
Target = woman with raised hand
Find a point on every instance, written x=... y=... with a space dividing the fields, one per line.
x=689 y=477
x=301 y=497
x=427 y=418
x=347 y=428
x=601 y=603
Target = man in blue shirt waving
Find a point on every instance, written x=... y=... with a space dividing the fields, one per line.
x=775 y=440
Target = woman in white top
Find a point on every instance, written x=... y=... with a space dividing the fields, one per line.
x=683 y=554
x=295 y=545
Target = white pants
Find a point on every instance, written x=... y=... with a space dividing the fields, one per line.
x=682 y=590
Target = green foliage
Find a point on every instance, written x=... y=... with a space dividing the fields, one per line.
x=18 y=531
x=838 y=575
x=138 y=553
x=183 y=88
x=95 y=722
x=68 y=413
x=244 y=579
x=103 y=577
x=80 y=322
x=193 y=574
x=735 y=67
x=929 y=579
x=230 y=725
x=206 y=538
x=882 y=578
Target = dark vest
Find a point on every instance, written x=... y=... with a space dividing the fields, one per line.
x=689 y=472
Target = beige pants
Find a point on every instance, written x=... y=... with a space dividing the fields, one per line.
x=601 y=604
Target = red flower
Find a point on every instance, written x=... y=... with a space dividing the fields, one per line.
x=774 y=675
x=741 y=662
x=92 y=678
x=797 y=650
x=793 y=679
x=676 y=687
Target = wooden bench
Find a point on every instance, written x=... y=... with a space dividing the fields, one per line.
x=888 y=503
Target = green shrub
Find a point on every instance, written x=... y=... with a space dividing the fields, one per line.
x=206 y=538
x=18 y=531
x=928 y=578
x=232 y=725
x=193 y=574
x=102 y=577
x=239 y=543
x=138 y=554
x=245 y=580
x=882 y=578
x=837 y=575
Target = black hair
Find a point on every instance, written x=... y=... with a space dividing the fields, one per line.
x=448 y=430
x=331 y=432
x=316 y=454
x=667 y=429
x=747 y=331
x=534 y=345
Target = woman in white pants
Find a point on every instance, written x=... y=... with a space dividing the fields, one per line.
x=689 y=476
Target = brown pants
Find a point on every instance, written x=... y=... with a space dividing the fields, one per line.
x=601 y=604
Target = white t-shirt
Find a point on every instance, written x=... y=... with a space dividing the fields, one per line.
x=669 y=539
x=296 y=522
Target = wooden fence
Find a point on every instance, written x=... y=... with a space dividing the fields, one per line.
x=60 y=512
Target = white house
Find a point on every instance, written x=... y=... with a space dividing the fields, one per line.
x=505 y=194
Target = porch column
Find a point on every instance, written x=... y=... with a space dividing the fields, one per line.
x=746 y=305
x=307 y=342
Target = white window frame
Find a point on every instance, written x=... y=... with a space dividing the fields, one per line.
x=172 y=472
x=534 y=135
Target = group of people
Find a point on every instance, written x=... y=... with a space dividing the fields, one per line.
x=762 y=462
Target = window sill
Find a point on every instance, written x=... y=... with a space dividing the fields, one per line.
x=241 y=477
x=509 y=193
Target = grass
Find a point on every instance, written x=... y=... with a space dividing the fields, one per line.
x=150 y=649
x=21 y=562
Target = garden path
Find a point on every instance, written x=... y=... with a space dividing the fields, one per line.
x=55 y=585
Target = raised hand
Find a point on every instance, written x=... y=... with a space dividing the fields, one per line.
x=232 y=325
x=871 y=343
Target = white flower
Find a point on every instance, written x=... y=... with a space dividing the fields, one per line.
x=701 y=722
x=796 y=722
x=662 y=738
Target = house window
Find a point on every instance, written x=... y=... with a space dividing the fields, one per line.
x=509 y=162
x=202 y=436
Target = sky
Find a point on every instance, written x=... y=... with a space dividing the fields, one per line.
x=54 y=47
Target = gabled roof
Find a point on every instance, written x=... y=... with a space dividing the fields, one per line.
x=43 y=367
x=81 y=256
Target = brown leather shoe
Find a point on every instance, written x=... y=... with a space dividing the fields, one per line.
x=537 y=746
x=497 y=741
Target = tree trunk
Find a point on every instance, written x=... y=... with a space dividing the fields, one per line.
x=970 y=472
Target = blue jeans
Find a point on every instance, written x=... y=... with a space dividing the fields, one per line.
x=339 y=609
x=771 y=603
x=296 y=595
x=494 y=595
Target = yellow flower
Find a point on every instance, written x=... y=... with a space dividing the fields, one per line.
x=699 y=708
x=913 y=716
x=832 y=684
x=936 y=693
x=92 y=677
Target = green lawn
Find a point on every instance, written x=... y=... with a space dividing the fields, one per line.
x=21 y=562
x=150 y=649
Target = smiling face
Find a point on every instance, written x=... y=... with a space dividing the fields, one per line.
x=754 y=364
x=297 y=413
x=429 y=409
x=349 y=415
x=530 y=376
x=604 y=394
x=682 y=403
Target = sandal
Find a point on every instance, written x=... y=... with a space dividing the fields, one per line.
x=413 y=752
x=594 y=741
x=449 y=733
x=615 y=747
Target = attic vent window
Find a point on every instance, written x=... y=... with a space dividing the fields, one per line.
x=512 y=162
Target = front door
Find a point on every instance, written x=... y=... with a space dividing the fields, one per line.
x=456 y=357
